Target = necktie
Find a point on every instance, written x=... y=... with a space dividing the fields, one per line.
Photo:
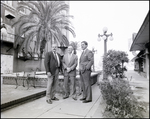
x=56 y=59
x=69 y=57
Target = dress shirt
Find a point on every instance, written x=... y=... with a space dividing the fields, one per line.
x=69 y=56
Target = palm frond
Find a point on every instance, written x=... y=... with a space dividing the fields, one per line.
x=24 y=17
x=65 y=40
x=71 y=30
x=26 y=25
x=31 y=36
x=55 y=4
x=60 y=18
x=29 y=30
x=42 y=8
x=37 y=7
x=22 y=27
x=58 y=30
x=33 y=13
x=22 y=6
x=55 y=35
x=27 y=44
x=25 y=5
x=60 y=8
x=19 y=41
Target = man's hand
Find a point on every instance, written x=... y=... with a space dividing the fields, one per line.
x=49 y=74
x=68 y=69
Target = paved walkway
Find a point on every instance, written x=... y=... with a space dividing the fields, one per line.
x=68 y=108
x=62 y=108
x=140 y=87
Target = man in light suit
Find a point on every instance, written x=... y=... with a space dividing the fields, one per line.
x=85 y=63
x=53 y=65
x=70 y=61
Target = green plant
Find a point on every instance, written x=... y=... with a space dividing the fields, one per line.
x=114 y=63
x=120 y=100
x=119 y=97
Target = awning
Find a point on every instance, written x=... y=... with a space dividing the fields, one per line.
x=134 y=59
x=142 y=37
x=139 y=55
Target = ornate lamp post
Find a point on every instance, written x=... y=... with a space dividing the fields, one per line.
x=105 y=37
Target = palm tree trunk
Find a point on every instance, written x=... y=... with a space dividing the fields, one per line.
x=43 y=43
x=40 y=63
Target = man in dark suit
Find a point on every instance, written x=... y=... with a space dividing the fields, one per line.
x=85 y=63
x=70 y=61
x=52 y=64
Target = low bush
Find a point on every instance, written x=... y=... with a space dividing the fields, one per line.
x=120 y=99
x=113 y=63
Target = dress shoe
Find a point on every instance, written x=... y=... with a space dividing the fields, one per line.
x=79 y=94
x=65 y=97
x=49 y=101
x=56 y=99
x=74 y=98
x=82 y=99
x=86 y=101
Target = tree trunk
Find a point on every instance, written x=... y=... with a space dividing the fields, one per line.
x=42 y=47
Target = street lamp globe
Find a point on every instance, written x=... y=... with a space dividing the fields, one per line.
x=104 y=37
x=110 y=38
x=105 y=29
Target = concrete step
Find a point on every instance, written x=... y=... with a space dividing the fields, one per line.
x=11 y=97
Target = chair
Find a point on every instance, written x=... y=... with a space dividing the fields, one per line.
x=18 y=75
x=25 y=76
x=28 y=76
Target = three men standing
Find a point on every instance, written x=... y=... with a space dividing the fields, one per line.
x=53 y=64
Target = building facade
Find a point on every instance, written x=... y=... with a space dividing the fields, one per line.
x=8 y=15
x=141 y=43
x=11 y=58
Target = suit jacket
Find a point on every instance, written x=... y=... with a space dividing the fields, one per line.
x=50 y=62
x=72 y=64
x=86 y=60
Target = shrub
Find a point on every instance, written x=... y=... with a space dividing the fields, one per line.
x=114 y=61
x=120 y=99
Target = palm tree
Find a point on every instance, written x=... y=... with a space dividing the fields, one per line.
x=45 y=22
